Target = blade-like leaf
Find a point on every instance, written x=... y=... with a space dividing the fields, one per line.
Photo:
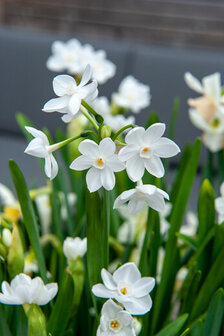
x=174 y=328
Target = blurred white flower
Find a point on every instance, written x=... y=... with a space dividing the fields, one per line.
x=6 y=196
x=141 y=195
x=74 y=247
x=70 y=94
x=219 y=205
x=65 y=57
x=44 y=211
x=102 y=161
x=71 y=201
x=41 y=148
x=190 y=225
x=116 y=122
x=7 y=237
x=207 y=111
x=132 y=95
x=136 y=326
x=30 y=263
x=23 y=289
x=115 y=321
x=164 y=224
x=127 y=287
x=73 y=57
x=144 y=150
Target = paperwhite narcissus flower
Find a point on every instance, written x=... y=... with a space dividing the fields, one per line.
x=70 y=94
x=219 y=205
x=115 y=321
x=101 y=106
x=207 y=111
x=144 y=150
x=141 y=195
x=127 y=287
x=74 y=247
x=132 y=95
x=41 y=148
x=102 y=161
x=73 y=57
x=23 y=289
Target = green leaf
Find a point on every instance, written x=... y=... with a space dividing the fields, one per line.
x=189 y=241
x=165 y=289
x=186 y=332
x=4 y=329
x=28 y=215
x=196 y=330
x=213 y=321
x=62 y=309
x=218 y=240
x=191 y=293
x=174 y=328
x=153 y=118
x=23 y=121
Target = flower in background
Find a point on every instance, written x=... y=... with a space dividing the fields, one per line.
x=116 y=122
x=127 y=287
x=115 y=321
x=23 y=289
x=70 y=94
x=41 y=148
x=219 y=205
x=74 y=247
x=207 y=111
x=30 y=263
x=190 y=225
x=6 y=237
x=141 y=195
x=11 y=207
x=144 y=150
x=73 y=57
x=132 y=95
x=102 y=161
x=6 y=196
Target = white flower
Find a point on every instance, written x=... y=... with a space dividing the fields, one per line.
x=30 y=264
x=136 y=326
x=207 y=111
x=23 y=289
x=65 y=57
x=70 y=94
x=132 y=95
x=115 y=321
x=164 y=224
x=127 y=287
x=219 y=205
x=101 y=106
x=6 y=196
x=41 y=148
x=191 y=223
x=102 y=161
x=141 y=195
x=44 y=211
x=74 y=247
x=71 y=201
x=144 y=150
x=7 y=237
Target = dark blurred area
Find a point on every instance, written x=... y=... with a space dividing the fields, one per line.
x=155 y=41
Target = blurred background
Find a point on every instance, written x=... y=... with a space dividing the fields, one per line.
x=155 y=41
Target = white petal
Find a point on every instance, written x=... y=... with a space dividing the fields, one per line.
x=127 y=273
x=107 y=147
x=165 y=148
x=115 y=164
x=213 y=141
x=123 y=197
x=212 y=86
x=138 y=306
x=193 y=82
x=5 y=299
x=135 y=168
x=128 y=152
x=108 y=279
x=154 y=166
x=154 y=132
x=61 y=83
x=111 y=309
x=47 y=166
x=135 y=136
x=135 y=205
x=37 y=134
x=89 y=148
x=89 y=91
x=81 y=163
x=56 y=104
x=143 y=286
x=86 y=76
x=93 y=179
x=222 y=189
x=54 y=167
x=100 y=290
x=197 y=120
x=107 y=178
x=74 y=104
x=36 y=148
x=68 y=117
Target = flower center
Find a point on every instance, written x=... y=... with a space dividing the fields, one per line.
x=124 y=290
x=99 y=163
x=69 y=58
x=215 y=123
x=145 y=152
x=12 y=213
x=114 y=324
x=71 y=90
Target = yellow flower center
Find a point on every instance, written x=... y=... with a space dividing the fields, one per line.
x=114 y=324
x=100 y=161
x=124 y=291
x=215 y=123
x=12 y=213
x=146 y=149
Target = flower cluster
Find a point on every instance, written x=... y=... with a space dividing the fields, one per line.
x=207 y=111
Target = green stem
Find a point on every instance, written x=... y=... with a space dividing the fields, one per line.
x=122 y=130
x=58 y=145
x=89 y=108
x=221 y=165
x=88 y=116
x=106 y=219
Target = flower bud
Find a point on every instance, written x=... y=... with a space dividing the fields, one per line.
x=16 y=254
x=105 y=132
x=6 y=237
x=12 y=213
x=36 y=320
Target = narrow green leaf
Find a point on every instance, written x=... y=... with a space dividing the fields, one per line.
x=153 y=118
x=197 y=328
x=189 y=241
x=186 y=332
x=174 y=328
x=191 y=293
x=213 y=321
x=165 y=289
x=218 y=240
x=28 y=215
x=4 y=329
x=62 y=309
x=23 y=121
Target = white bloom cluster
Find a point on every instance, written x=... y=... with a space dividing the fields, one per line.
x=207 y=111
x=73 y=57
x=129 y=289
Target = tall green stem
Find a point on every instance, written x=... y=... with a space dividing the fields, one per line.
x=106 y=227
x=88 y=116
